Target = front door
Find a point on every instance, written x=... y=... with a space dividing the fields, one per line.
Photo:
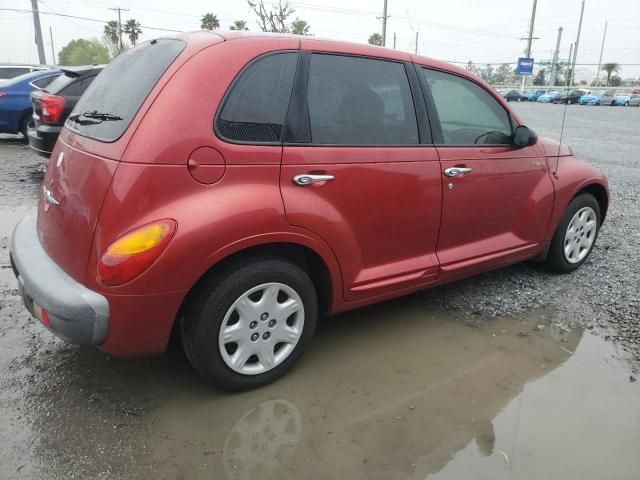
x=497 y=198
x=366 y=179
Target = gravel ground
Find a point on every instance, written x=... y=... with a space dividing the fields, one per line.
x=603 y=295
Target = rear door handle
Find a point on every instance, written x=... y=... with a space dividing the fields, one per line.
x=307 y=179
x=455 y=171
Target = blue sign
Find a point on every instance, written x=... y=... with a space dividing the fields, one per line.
x=525 y=66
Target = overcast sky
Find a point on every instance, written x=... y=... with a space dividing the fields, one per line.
x=485 y=31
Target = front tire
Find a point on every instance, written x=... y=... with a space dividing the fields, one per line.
x=576 y=235
x=248 y=324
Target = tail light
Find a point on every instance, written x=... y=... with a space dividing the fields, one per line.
x=2 y=94
x=130 y=255
x=52 y=108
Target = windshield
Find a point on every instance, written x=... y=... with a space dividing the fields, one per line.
x=108 y=106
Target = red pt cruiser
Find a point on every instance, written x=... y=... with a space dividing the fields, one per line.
x=236 y=186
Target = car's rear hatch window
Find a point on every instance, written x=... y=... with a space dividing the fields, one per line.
x=108 y=106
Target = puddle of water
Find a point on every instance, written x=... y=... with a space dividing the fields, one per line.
x=394 y=391
x=398 y=392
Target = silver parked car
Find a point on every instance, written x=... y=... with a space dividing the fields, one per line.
x=634 y=101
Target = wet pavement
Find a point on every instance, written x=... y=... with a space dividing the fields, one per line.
x=421 y=387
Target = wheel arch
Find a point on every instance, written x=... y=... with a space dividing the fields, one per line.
x=321 y=270
x=600 y=194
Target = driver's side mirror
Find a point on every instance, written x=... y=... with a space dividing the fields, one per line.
x=523 y=136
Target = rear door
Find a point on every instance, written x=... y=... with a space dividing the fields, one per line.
x=497 y=198
x=359 y=170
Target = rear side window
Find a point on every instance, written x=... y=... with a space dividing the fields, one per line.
x=44 y=81
x=77 y=88
x=360 y=101
x=59 y=83
x=112 y=100
x=256 y=107
x=469 y=115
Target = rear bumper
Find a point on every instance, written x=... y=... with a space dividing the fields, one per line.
x=43 y=138
x=75 y=314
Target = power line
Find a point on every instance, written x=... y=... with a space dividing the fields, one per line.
x=148 y=27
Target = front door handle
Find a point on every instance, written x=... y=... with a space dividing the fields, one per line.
x=307 y=179
x=455 y=171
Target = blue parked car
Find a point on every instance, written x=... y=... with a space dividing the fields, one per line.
x=15 y=100
x=623 y=99
x=532 y=95
x=600 y=97
x=549 y=97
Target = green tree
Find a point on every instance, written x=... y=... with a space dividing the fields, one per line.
x=112 y=37
x=133 y=30
x=273 y=19
x=239 y=25
x=540 y=78
x=487 y=73
x=610 y=68
x=504 y=74
x=300 y=27
x=375 y=39
x=615 y=81
x=472 y=68
x=209 y=21
x=83 y=52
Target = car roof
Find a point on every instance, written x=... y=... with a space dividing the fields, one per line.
x=209 y=37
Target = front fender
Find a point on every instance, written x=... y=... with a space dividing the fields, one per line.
x=572 y=177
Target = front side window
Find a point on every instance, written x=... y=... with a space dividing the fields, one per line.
x=469 y=115
x=256 y=108
x=360 y=101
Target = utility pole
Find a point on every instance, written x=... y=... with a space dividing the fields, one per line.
x=118 y=9
x=569 y=68
x=384 y=24
x=53 y=50
x=601 y=52
x=530 y=38
x=394 y=40
x=575 y=49
x=554 y=64
x=417 y=42
x=38 y=31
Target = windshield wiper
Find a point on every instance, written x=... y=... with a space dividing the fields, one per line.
x=95 y=115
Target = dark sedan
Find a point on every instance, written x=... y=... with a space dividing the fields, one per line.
x=53 y=104
x=515 y=96
x=571 y=97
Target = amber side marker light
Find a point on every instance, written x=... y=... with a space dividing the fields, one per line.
x=130 y=255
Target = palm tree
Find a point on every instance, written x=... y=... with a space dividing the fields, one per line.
x=112 y=32
x=610 y=68
x=209 y=21
x=375 y=39
x=133 y=30
x=239 y=25
x=300 y=27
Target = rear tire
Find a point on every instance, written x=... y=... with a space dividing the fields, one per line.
x=233 y=350
x=576 y=235
x=24 y=125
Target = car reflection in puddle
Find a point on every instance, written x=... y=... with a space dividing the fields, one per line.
x=398 y=391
